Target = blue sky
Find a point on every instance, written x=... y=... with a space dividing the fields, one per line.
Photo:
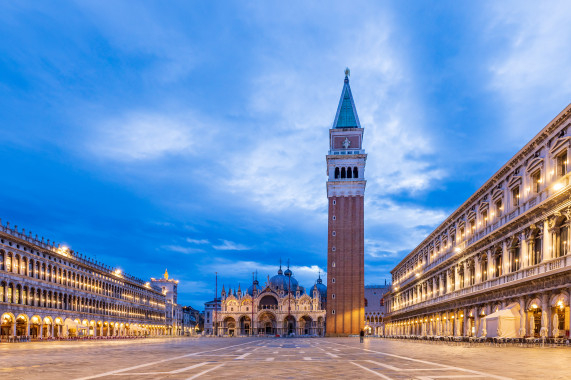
x=192 y=135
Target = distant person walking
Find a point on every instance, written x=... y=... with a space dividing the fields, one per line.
x=362 y=336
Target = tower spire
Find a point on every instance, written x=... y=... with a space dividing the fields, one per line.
x=346 y=116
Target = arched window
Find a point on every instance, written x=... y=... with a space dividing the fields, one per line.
x=382 y=302
x=515 y=256
x=537 y=249
x=343 y=175
x=498 y=265
x=366 y=303
x=349 y=173
x=355 y=172
x=1 y=260
x=336 y=173
x=563 y=240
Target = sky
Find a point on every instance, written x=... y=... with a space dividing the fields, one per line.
x=192 y=135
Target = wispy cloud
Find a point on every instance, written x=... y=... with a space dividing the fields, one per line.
x=230 y=246
x=182 y=249
x=241 y=272
x=526 y=70
x=141 y=136
x=197 y=241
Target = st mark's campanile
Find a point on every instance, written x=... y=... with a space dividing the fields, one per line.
x=345 y=193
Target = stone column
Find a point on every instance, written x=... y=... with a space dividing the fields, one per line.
x=549 y=310
x=476 y=321
x=546 y=241
x=465 y=322
x=28 y=328
x=523 y=254
x=523 y=320
x=41 y=329
x=505 y=258
x=544 y=309
x=490 y=264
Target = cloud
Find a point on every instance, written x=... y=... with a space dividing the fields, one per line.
x=196 y=241
x=284 y=168
x=141 y=136
x=230 y=246
x=240 y=271
x=181 y=249
x=526 y=71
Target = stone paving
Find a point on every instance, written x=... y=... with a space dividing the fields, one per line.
x=279 y=358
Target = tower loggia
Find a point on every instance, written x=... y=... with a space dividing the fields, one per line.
x=345 y=193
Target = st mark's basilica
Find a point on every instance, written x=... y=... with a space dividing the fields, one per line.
x=280 y=306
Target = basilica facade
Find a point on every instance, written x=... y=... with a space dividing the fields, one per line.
x=500 y=265
x=279 y=307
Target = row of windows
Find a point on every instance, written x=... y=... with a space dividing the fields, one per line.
x=480 y=221
x=52 y=273
x=350 y=172
x=31 y=296
x=443 y=283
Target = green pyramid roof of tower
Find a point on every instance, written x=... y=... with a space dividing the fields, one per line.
x=346 y=116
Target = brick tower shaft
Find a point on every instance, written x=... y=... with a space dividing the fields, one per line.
x=345 y=192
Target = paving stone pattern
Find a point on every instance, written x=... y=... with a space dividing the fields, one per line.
x=277 y=358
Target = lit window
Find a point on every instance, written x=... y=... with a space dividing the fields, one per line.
x=499 y=207
x=562 y=164
x=515 y=196
x=333 y=264
x=536 y=181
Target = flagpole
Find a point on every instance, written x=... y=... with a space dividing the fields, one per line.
x=214 y=330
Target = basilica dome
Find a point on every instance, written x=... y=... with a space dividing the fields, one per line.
x=283 y=281
x=322 y=289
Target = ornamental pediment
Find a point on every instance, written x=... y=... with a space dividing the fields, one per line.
x=484 y=206
x=560 y=144
x=497 y=194
x=514 y=181
x=536 y=163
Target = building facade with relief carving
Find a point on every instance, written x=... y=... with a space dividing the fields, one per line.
x=48 y=291
x=500 y=264
x=279 y=307
x=173 y=310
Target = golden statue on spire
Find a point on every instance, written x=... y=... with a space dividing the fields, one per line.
x=347 y=72
x=166 y=275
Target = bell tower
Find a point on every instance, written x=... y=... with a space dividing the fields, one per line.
x=345 y=243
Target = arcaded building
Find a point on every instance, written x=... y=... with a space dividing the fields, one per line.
x=345 y=243
x=279 y=307
x=375 y=309
x=499 y=265
x=48 y=291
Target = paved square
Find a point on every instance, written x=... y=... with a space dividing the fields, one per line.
x=258 y=358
